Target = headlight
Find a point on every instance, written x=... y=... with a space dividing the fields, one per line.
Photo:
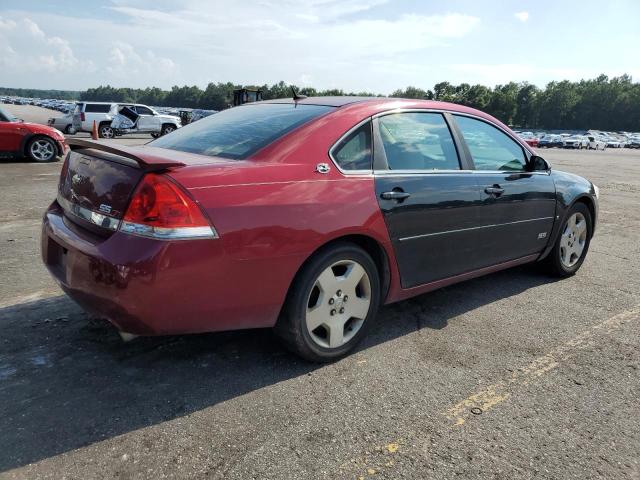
x=597 y=191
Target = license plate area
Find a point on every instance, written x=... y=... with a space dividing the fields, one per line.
x=57 y=257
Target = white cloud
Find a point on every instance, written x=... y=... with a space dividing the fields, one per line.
x=26 y=48
x=326 y=43
x=125 y=62
x=522 y=16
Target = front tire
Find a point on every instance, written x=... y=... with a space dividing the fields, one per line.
x=572 y=244
x=167 y=128
x=331 y=304
x=42 y=149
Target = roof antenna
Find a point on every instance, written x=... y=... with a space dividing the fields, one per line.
x=296 y=95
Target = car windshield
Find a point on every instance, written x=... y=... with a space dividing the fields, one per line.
x=239 y=132
x=6 y=116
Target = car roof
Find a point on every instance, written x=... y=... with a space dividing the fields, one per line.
x=379 y=103
x=337 y=101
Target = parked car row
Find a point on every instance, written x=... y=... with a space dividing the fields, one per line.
x=64 y=106
x=591 y=140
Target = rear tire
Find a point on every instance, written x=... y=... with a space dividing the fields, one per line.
x=68 y=129
x=331 y=304
x=572 y=244
x=106 y=131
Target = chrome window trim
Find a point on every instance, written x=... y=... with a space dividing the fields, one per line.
x=474 y=228
x=90 y=216
x=450 y=172
x=515 y=138
x=343 y=137
x=526 y=148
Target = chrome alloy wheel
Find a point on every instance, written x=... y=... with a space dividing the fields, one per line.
x=573 y=240
x=42 y=150
x=338 y=304
x=106 y=132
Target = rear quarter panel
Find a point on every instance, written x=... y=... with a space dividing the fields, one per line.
x=273 y=211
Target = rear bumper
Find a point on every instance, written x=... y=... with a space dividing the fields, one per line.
x=153 y=287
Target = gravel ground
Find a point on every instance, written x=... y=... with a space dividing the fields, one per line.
x=513 y=375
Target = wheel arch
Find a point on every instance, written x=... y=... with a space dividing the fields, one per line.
x=26 y=140
x=369 y=245
x=591 y=206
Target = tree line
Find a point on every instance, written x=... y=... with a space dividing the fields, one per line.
x=611 y=104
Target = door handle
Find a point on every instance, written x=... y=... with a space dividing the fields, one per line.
x=395 y=195
x=495 y=190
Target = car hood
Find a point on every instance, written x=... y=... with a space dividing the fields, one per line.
x=571 y=179
x=170 y=117
x=43 y=129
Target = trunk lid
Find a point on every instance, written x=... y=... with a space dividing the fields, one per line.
x=98 y=179
x=94 y=189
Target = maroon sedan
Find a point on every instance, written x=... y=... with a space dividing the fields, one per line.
x=306 y=215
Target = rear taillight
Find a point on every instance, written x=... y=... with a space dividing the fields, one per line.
x=82 y=117
x=161 y=209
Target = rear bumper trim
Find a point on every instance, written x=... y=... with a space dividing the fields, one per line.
x=95 y=218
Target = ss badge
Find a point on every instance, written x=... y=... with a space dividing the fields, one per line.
x=542 y=235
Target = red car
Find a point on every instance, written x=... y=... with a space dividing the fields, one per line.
x=305 y=215
x=19 y=139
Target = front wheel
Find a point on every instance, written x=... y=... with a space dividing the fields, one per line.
x=572 y=244
x=42 y=149
x=333 y=301
x=167 y=129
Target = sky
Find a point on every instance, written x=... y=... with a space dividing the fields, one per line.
x=356 y=45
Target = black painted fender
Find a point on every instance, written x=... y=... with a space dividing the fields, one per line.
x=570 y=189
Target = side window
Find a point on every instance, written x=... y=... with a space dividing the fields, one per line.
x=491 y=148
x=354 y=152
x=97 y=108
x=143 y=110
x=418 y=141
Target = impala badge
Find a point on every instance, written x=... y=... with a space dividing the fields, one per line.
x=322 y=168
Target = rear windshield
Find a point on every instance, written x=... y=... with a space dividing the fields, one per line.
x=97 y=108
x=239 y=132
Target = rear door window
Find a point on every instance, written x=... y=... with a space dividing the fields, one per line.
x=239 y=132
x=97 y=108
x=418 y=141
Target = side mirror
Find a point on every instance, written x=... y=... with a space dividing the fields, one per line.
x=538 y=164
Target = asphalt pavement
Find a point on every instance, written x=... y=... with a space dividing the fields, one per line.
x=513 y=375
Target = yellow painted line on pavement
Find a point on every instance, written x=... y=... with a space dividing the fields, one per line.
x=497 y=393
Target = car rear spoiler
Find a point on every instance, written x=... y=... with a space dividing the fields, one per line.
x=147 y=162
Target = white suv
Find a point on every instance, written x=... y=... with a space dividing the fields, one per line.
x=147 y=120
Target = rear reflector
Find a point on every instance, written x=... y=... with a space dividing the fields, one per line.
x=161 y=209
